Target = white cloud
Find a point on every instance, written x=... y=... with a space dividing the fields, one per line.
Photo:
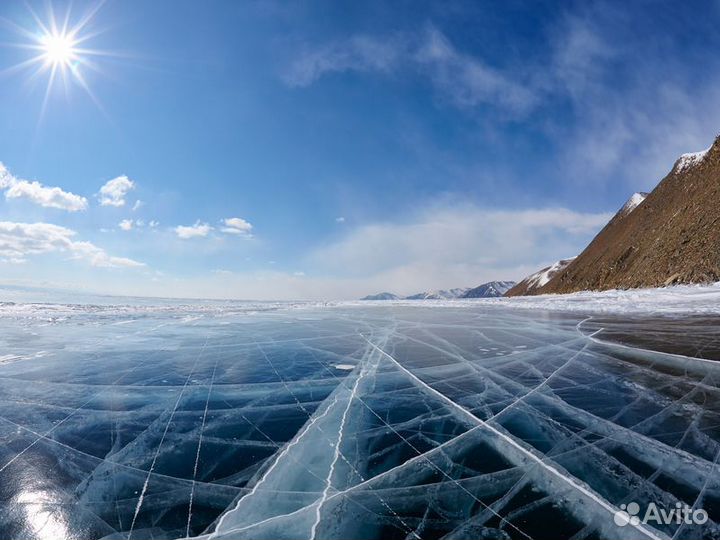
x=454 y=246
x=5 y=177
x=153 y=223
x=137 y=205
x=126 y=224
x=340 y=219
x=113 y=192
x=359 y=53
x=199 y=230
x=621 y=129
x=129 y=224
x=13 y=260
x=236 y=225
x=99 y=257
x=580 y=56
x=48 y=197
x=468 y=81
x=20 y=240
x=445 y=245
x=465 y=80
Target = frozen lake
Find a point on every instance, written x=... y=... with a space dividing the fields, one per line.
x=354 y=422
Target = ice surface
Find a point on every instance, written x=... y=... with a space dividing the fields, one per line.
x=266 y=421
x=678 y=299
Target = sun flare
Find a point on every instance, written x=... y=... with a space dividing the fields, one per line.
x=59 y=49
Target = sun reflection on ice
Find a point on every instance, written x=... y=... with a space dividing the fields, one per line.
x=41 y=515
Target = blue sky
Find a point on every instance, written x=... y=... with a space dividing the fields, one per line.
x=353 y=146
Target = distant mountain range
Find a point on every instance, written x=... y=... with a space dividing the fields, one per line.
x=491 y=289
x=439 y=295
x=671 y=235
x=381 y=296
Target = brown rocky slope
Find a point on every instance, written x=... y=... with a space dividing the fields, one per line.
x=673 y=236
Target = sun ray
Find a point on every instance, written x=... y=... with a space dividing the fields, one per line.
x=87 y=18
x=21 y=66
x=53 y=20
x=48 y=90
x=66 y=20
x=18 y=29
x=59 y=44
x=43 y=28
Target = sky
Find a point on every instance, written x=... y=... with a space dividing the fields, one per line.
x=329 y=150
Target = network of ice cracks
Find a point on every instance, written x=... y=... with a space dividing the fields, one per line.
x=348 y=422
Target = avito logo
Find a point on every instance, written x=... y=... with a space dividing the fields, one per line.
x=629 y=514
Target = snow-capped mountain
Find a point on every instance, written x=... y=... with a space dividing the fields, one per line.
x=381 y=296
x=532 y=283
x=492 y=289
x=439 y=294
x=672 y=235
x=539 y=278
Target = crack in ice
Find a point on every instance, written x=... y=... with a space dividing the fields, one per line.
x=552 y=470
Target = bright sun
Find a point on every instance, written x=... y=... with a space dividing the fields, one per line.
x=59 y=49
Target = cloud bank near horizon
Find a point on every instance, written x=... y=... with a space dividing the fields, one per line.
x=20 y=241
x=441 y=246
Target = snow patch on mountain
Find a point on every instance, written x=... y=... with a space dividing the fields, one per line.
x=689 y=160
x=541 y=278
x=633 y=202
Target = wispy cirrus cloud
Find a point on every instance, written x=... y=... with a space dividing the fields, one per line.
x=18 y=241
x=629 y=128
x=466 y=81
x=357 y=53
x=113 y=192
x=617 y=102
x=37 y=193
